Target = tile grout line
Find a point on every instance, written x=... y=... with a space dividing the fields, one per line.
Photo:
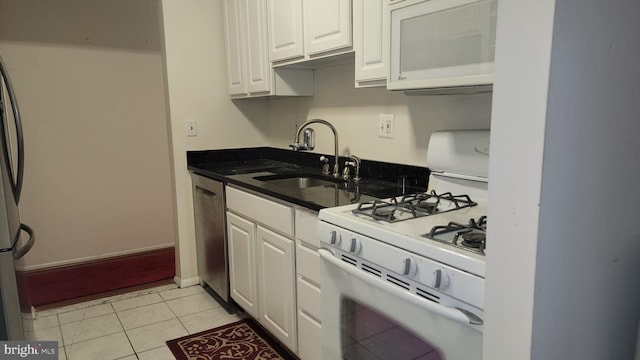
x=64 y=348
x=135 y=353
x=177 y=318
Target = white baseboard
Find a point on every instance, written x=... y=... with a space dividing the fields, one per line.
x=187 y=282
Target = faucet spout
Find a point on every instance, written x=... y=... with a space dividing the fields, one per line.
x=355 y=162
x=296 y=146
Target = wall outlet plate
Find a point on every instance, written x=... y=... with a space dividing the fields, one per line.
x=385 y=125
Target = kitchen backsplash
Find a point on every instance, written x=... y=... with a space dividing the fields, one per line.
x=355 y=114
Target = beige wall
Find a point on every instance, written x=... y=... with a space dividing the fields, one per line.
x=355 y=113
x=88 y=76
x=196 y=90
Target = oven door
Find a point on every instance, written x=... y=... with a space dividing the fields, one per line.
x=364 y=317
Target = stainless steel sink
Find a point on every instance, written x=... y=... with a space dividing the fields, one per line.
x=300 y=181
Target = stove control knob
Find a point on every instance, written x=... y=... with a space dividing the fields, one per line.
x=410 y=267
x=441 y=280
x=336 y=238
x=355 y=246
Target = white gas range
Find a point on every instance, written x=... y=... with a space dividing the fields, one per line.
x=416 y=260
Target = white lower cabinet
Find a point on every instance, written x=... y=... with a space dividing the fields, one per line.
x=310 y=338
x=309 y=286
x=242 y=263
x=275 y=268
x=262 y=262
x=276 y=271
x=309 y=317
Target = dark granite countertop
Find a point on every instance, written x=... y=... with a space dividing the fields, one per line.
x=256 y=168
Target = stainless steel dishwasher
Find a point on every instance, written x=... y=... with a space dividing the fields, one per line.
x=211 y=235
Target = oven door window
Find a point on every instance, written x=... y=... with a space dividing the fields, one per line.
x=368 y=334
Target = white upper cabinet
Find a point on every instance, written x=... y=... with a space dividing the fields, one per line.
x=285 y=29
x=370 y=42
x=249 y=71
x=258 y=67
x=304 y=30
x=234 y=39
x=327 y=25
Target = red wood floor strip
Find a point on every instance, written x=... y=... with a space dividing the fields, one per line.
x=47 y=286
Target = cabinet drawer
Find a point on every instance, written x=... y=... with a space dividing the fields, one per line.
x=308 y=262
x=309 y=338
x=309 y=299
x=306 y=227
x=270 y=213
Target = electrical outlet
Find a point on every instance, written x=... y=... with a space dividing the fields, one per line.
x=385 y=126
x=191 y=129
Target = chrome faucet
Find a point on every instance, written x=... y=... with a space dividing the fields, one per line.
x=355 y=162
x=308 y=143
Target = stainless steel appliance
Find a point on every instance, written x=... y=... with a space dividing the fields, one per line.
x=211 y=239
x=12 y=244
x=403 y=278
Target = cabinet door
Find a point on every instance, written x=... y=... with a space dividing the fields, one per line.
x=285 y=29
x=369 y=33
x=258 y=65
x=327 y=25
x=277 y=286
x=234 y=22
x=242 y=262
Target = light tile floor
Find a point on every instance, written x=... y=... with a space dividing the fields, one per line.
x=129 y=326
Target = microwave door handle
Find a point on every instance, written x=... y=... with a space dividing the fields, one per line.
x=455 y=314
x=17 y=178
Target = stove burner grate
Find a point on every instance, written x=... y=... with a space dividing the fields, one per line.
x=415 y=205
x=470 y=237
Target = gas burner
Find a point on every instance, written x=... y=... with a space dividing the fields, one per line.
x=474 y=240
x=384 y=214
x=378 y=209
x=471 y=236
x=428 y=207
x=423 y=202
x=413 y=206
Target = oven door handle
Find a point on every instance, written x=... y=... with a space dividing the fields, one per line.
x=456 y=314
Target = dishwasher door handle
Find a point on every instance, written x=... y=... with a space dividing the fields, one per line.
x=207 y=192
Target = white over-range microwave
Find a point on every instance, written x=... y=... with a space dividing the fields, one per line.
x=442 y=46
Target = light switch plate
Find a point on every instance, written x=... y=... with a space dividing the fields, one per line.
x=191 y=129
x=385 y=126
